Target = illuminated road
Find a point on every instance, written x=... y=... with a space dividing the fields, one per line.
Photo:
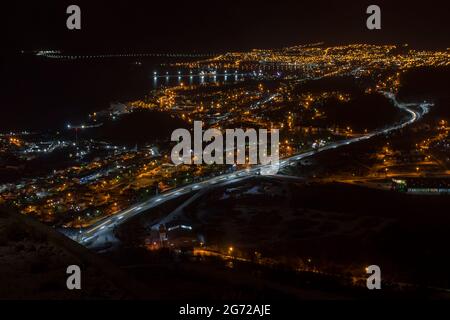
x=101 y=233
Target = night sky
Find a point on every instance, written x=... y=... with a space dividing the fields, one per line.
x=205 y=26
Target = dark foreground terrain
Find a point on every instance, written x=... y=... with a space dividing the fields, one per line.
x=34 y=259
x=304 y=235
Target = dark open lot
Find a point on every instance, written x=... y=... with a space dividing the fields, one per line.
x=337 y=228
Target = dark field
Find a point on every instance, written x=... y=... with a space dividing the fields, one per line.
x=330 y=226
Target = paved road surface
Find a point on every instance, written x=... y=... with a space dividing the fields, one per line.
x=101 y=233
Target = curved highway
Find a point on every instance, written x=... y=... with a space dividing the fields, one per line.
x=101 y=233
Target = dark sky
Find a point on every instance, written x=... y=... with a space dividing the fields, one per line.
x=204 y=26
